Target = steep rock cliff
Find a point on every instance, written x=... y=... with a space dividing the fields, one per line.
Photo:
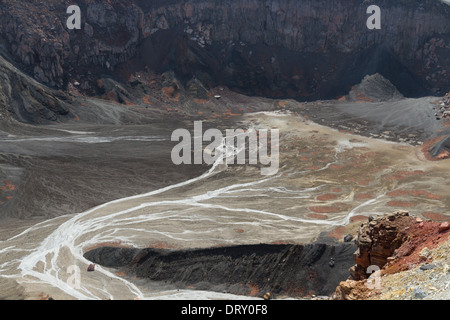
x=309 y=49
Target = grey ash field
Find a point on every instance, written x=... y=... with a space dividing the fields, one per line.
x=85 y=144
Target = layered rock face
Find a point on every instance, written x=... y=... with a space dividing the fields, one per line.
x=390 y=245
x=310 y=49
x=377 y=241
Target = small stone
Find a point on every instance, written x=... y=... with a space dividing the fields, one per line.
x=427 y=266
x=266 y=296
x=424 y=253
x=444 y=226
x=419 y=293
x=91 y=267
x=348 y=238
x=390 y=259
x=331 y=263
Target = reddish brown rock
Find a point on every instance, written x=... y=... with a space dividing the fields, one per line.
x=377 y=241
x=444 y=226
x=394 y=243
x=351 y=290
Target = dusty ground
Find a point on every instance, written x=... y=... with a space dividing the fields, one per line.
x=328 y=181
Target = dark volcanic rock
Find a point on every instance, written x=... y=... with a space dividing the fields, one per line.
x=374 y=88
x=307 y=49
x=296 y=270
x=441 y=150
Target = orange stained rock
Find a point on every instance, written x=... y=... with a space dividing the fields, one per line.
x=146 y=99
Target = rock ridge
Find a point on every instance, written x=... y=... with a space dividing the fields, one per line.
x=283 y=270
x=394 y=245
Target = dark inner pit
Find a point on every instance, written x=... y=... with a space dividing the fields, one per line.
x=283 y=270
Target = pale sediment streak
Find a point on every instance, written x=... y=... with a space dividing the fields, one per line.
x=84 y=139
x=66 y=237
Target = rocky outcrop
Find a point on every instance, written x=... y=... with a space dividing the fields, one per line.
x=307 y=49
x=377 y=241
x=443 y=107
x=374 y=88
x=294 y=270
x=36 y=35
x=28 y=100
x=390 y=245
